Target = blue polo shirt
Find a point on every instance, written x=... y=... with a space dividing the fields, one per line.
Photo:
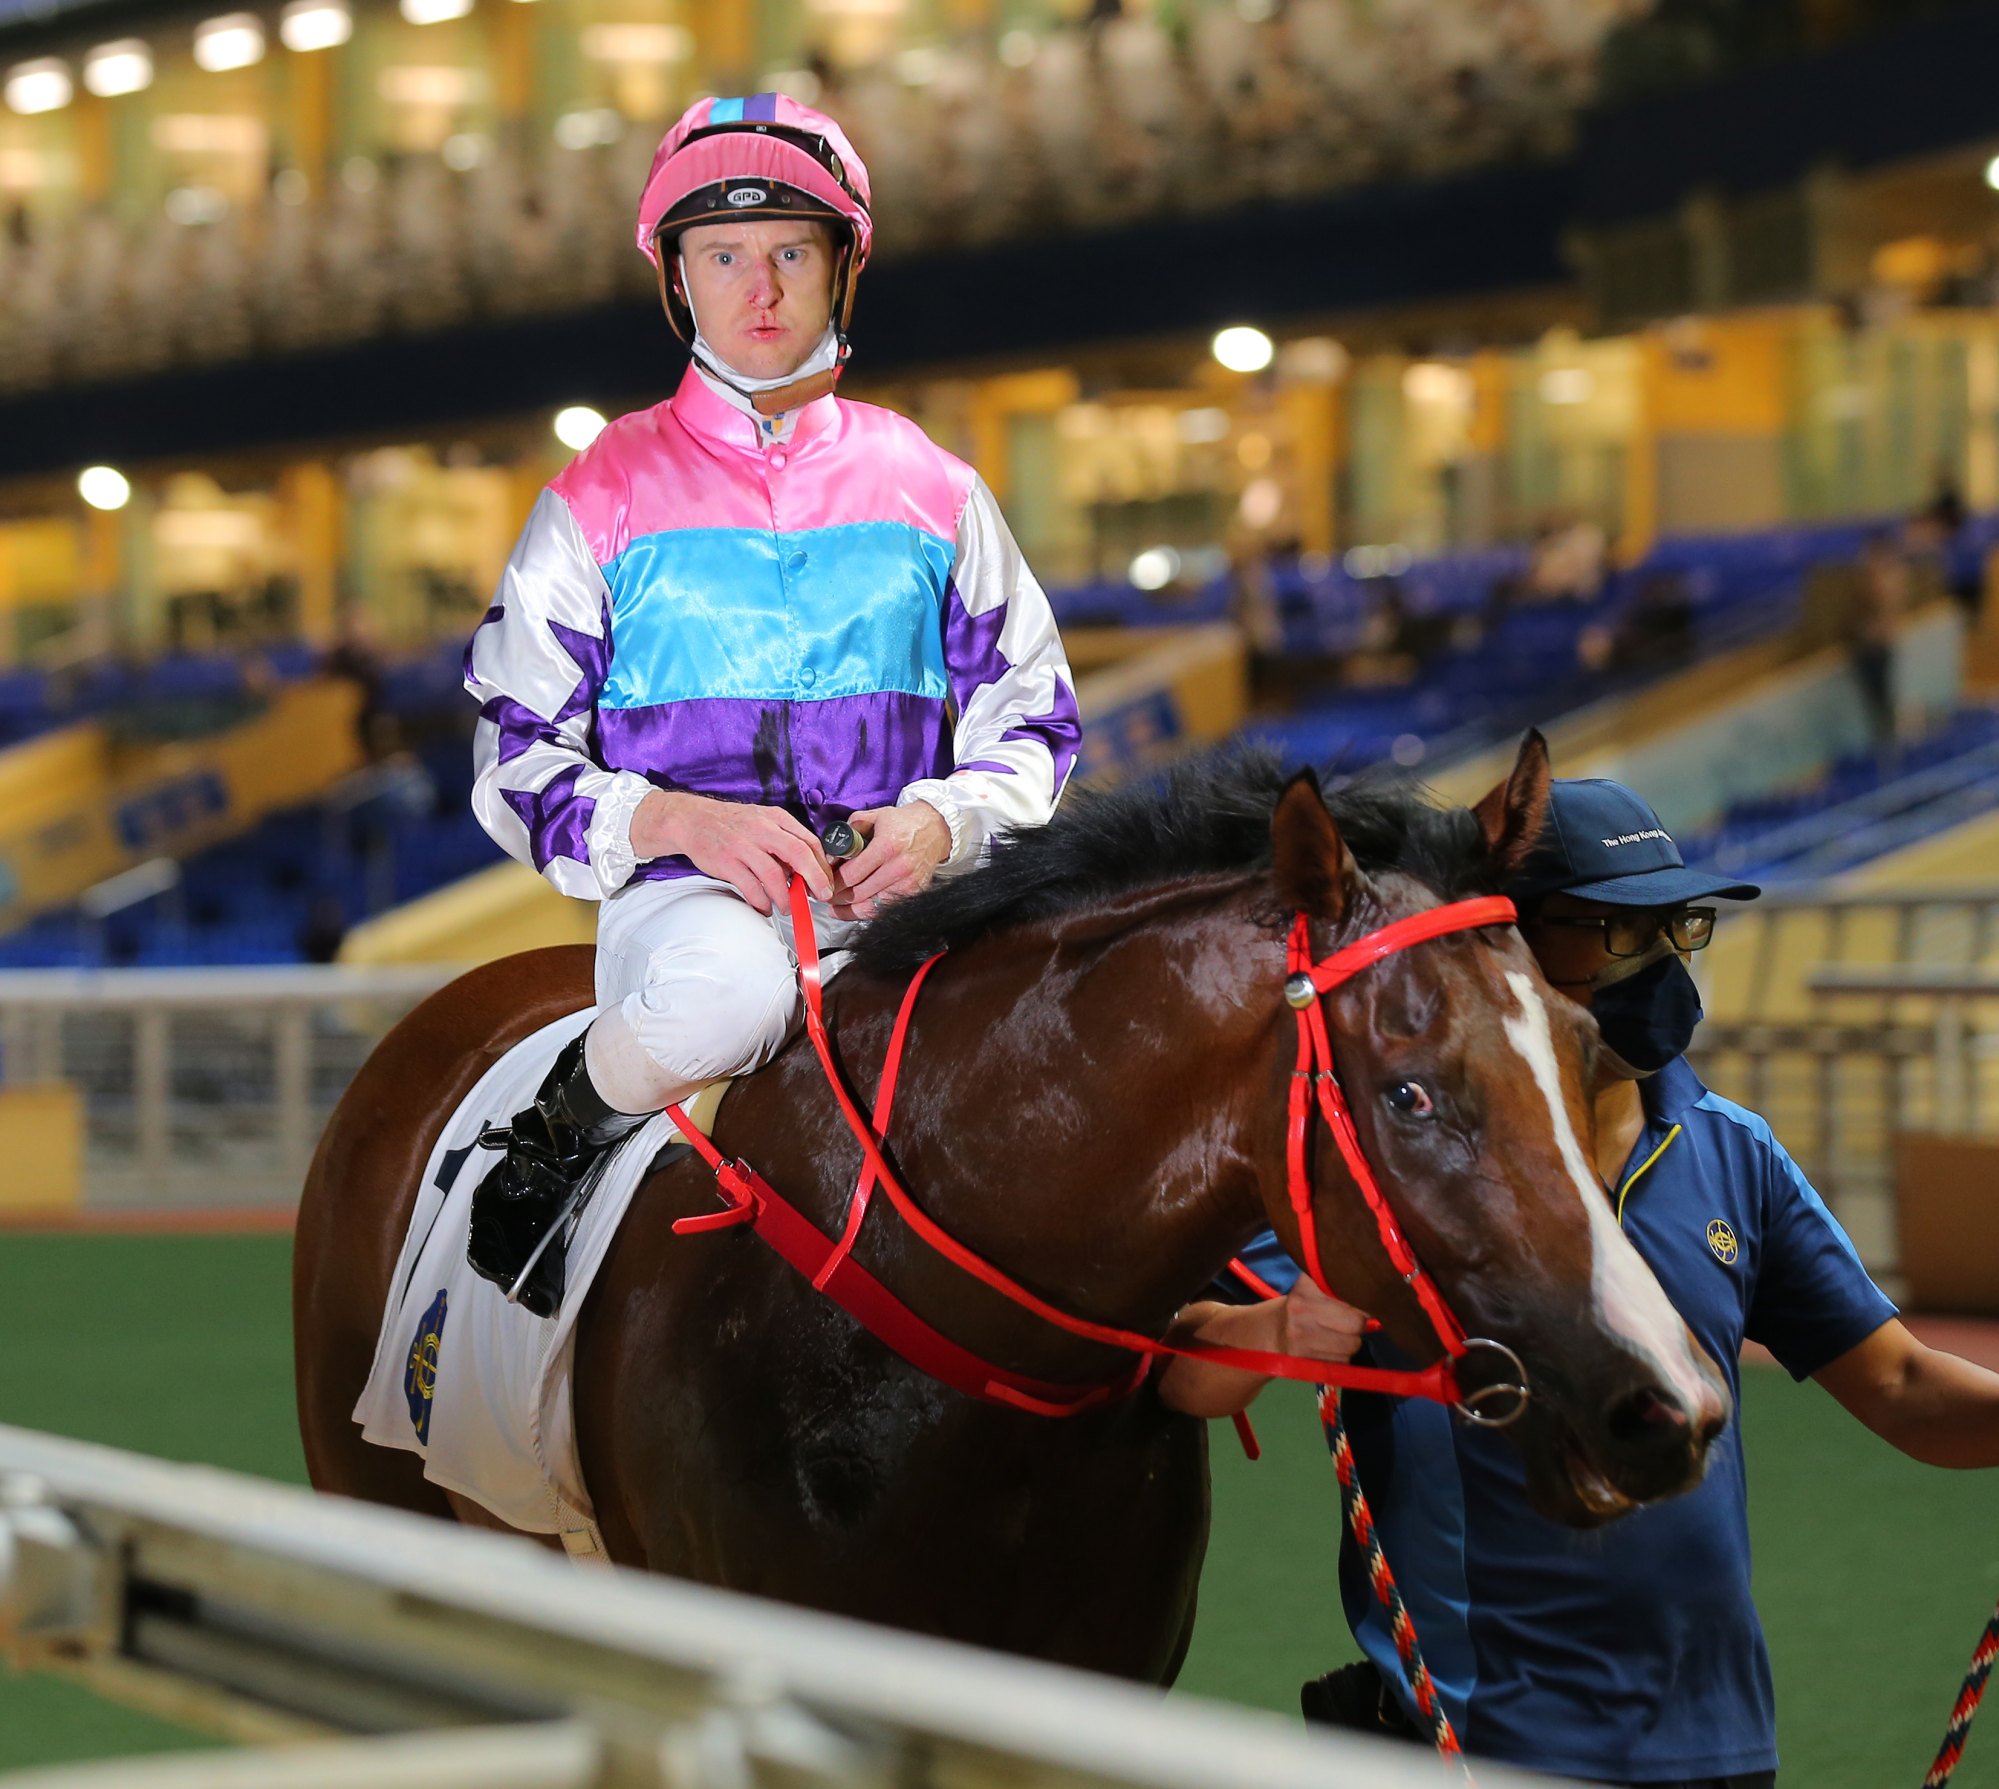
x=1632 y=1652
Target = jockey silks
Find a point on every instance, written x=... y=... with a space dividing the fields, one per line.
x=838 y=621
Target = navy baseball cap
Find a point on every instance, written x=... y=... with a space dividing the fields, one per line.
x=1602 y=842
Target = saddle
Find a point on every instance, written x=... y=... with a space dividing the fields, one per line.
x=479 y=1386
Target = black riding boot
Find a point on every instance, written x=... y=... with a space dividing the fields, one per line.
x=551 y=1147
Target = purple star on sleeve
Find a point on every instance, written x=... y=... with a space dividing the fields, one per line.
x=557 y=819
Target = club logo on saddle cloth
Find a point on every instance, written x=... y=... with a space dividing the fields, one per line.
x=420 y=1377
x=491 y=1413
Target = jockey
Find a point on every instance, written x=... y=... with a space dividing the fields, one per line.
x=734 y=619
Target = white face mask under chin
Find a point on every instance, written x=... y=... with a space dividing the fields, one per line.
x=823 y=358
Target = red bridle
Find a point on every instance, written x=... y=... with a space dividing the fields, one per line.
x=832 y=1269
x=1306 y=986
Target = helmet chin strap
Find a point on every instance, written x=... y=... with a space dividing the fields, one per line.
x=813 y=377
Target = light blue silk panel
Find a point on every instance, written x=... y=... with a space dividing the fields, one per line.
x=701 y=613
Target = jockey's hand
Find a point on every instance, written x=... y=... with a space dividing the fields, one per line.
x=904 y=849
x=1318 y=1327
x=753 y=849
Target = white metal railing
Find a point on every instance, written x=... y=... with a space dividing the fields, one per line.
x=211 y=1086
x=264 y=1613
x=1963 y=1005
x=1945 y=926
x=1891 y=1048
x=201 y=1086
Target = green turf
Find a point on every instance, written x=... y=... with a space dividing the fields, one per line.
x=178 y=1346
x=1874 y=1573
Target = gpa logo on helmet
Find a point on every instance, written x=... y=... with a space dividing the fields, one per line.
x=1721 y=1239
x=747 y=195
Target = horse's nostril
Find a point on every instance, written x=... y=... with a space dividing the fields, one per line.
x=1714 y=1418
x=1646 y=1417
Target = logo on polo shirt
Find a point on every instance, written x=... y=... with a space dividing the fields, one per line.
x=1721 y=1239
x=747 y=195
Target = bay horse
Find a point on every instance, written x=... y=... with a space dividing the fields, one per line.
x=1094 y=1098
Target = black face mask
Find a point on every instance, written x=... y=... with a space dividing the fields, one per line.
x=1649 y=1018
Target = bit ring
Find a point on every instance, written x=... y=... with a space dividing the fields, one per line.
x=1512 y=1394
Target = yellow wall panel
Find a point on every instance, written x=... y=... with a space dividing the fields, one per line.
x=490 y=914
x=41 y=561
x=41 y=1141
x=75 y=808
x=1733 y=378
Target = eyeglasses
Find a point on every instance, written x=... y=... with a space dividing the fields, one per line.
x=1633 y=934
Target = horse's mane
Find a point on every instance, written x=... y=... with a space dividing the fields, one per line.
x=1210 y=814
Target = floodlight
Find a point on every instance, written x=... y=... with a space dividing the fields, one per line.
x=1242 y=348
x=577 y=426
x=118 y=68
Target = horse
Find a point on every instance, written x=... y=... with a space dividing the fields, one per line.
x=1094 y=1098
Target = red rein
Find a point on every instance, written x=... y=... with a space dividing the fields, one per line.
x=832 y=1269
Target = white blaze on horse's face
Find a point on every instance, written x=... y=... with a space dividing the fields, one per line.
x=1628 y=1299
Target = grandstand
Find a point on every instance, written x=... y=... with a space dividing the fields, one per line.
x=1367 y=379
x=970 y=142
x=1488 y=664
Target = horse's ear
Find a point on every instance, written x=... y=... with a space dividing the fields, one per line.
x=1313 y=869
x=1513 y=812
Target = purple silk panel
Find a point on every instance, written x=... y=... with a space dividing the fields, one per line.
x=972 y=657
x=1060 y=730
x=520 y=727
x=557 y=818
x=819 y=760
x=492 y=614
x=972 y=653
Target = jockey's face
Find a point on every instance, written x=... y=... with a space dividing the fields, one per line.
x=761 y=290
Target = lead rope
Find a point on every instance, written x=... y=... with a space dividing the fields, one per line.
x=1360 y=1519
x=1966 y=1707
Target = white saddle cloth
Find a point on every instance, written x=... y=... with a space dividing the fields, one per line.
x=478 y=1387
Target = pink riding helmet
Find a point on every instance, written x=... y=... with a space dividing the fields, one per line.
x=765 y=156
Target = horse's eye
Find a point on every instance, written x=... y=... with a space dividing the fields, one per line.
x=1410 y=1098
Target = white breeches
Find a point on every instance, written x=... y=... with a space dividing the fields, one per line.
x=695 y=986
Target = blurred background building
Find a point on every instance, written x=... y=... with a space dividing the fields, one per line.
x=1371 y=376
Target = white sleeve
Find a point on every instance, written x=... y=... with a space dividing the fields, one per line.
x=1018 y=726
x=536 y=663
